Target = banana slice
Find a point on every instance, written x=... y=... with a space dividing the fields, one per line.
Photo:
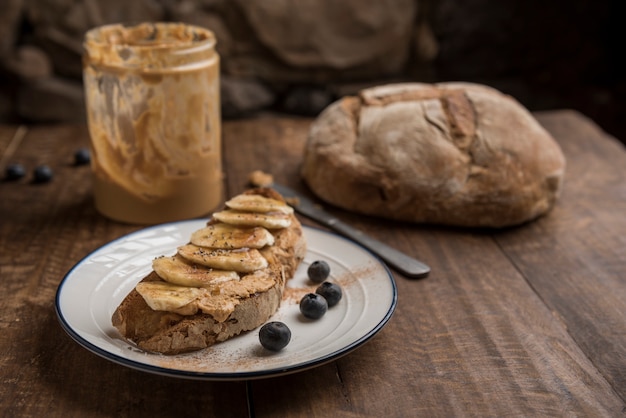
x=256 y=203
x=242 y=261
x=226 y=236
x=163 y=296
x=177 y=270
x=274 y=220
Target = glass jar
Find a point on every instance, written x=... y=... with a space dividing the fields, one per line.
x=153 y=111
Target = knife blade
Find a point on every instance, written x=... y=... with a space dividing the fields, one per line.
x=405 y=264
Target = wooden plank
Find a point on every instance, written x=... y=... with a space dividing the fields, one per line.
x=10 y=138
x=524 y=322
x=44 y=230
x=575 y=258
x=268 y=144
x=472 y=339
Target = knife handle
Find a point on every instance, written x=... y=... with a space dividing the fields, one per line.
x=406 y=265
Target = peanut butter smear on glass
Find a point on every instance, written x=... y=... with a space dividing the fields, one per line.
x=153 y=110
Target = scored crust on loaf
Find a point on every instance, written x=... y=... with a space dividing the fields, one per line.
x=218 y=304
x=450 y=153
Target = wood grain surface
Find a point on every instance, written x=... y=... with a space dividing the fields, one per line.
x=527 y=321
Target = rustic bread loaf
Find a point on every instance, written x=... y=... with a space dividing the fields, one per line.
x=450 y=153
x=239 y=305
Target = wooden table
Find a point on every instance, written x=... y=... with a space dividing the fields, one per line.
x=529 y=321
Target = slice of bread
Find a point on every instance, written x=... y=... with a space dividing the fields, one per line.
x=192 y=318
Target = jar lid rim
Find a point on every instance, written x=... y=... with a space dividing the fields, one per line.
x=129 y=36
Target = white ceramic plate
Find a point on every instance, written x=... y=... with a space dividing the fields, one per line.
x=92 y=290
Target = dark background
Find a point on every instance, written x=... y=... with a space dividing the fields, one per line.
x=297 y=57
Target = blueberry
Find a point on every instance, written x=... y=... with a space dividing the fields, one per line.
x=274 y=336
x=313 y=306
x=15 y=172
x=331 y=292
x=318 y=271
x=82 y=156
x=43 y=174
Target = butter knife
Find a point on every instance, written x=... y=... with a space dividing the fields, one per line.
x=406 y=265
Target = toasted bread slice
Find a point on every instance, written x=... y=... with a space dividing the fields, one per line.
x=191 y=318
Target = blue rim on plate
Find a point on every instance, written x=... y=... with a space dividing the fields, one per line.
x=94 y=287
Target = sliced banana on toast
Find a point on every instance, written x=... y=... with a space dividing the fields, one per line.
x=164 y=296
x=177 y=270
x=225 y=236
x=229 y=278
x=270 y=220
x=256 y=203
x=241 y=261
x=232 y=270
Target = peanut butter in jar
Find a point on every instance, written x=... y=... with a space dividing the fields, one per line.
x=153 y=111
